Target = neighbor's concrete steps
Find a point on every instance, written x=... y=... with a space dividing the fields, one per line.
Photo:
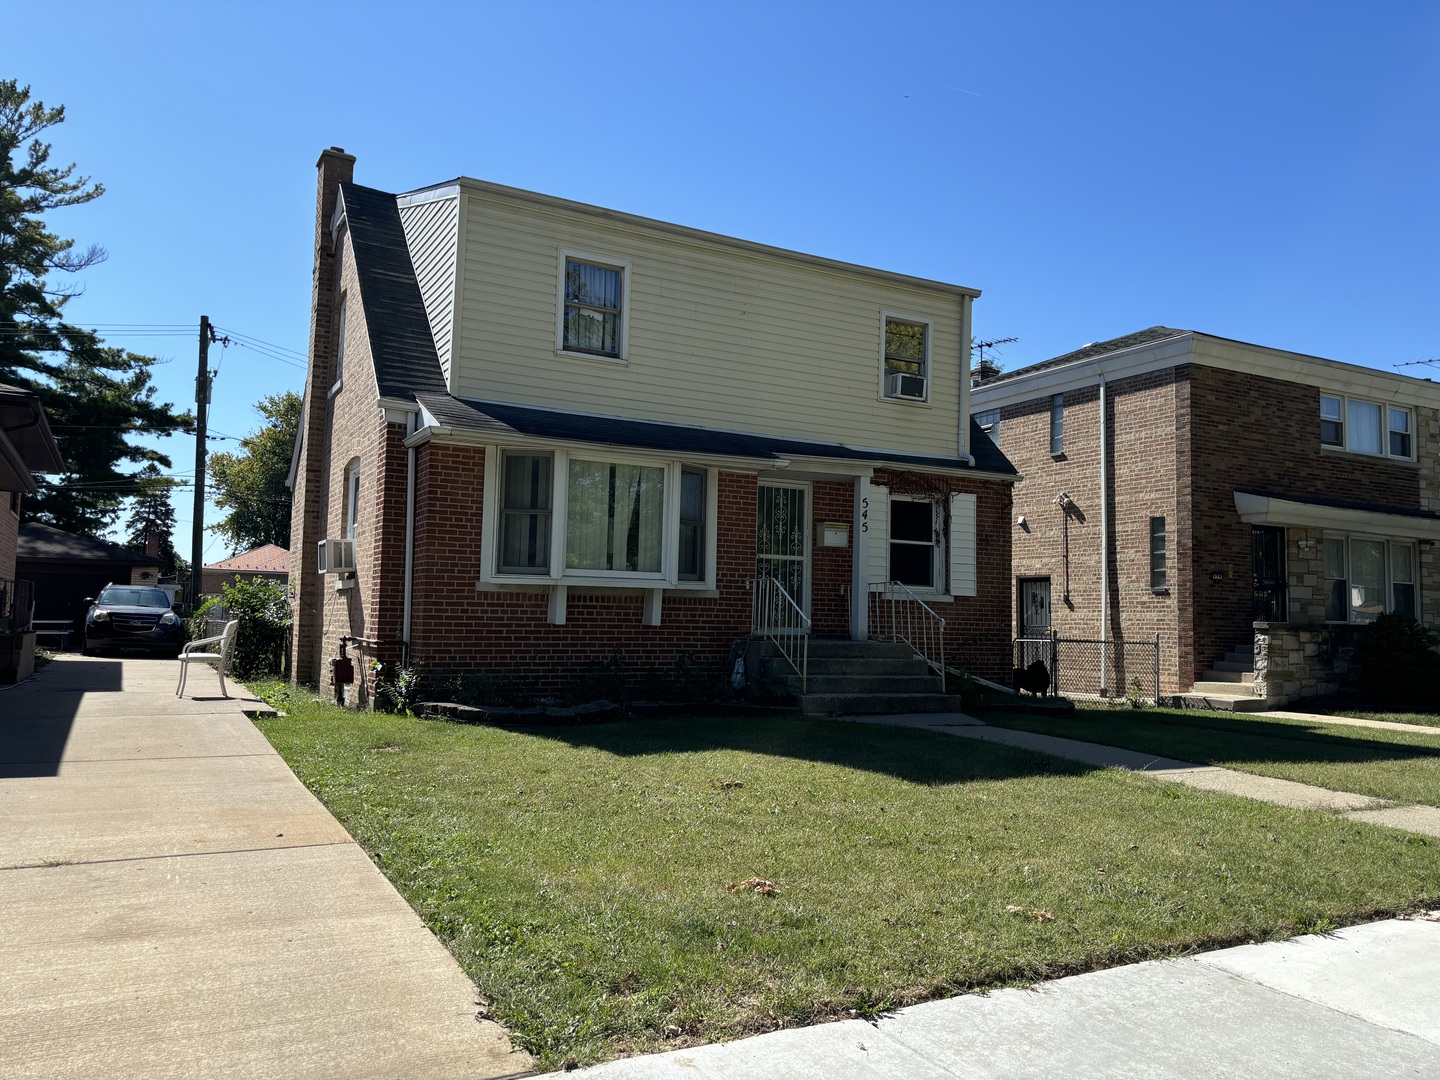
x=863 y=677
x=1229 y=686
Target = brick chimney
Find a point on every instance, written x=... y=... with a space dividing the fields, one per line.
x=152 y=541
x=334 y=167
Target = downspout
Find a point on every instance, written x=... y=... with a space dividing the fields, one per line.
x=1104 y=537
x=410 y=425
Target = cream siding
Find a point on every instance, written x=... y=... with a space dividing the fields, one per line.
x=432 y=235
x=718 y=336
x=878 y=534
x=963 y=581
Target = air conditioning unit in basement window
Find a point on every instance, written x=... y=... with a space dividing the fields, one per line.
x=900 y=385
x=336 y=556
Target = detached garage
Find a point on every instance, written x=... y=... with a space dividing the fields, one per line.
x=66 y=569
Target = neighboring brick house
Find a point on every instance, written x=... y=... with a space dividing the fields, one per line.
x=1249 y=497
x=558 y=434
x=269 y=562
x=26 y=447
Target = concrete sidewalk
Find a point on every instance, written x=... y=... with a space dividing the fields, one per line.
x=178 y=904
x=1355 y=1003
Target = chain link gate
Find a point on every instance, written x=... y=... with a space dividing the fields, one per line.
x=1077 y=667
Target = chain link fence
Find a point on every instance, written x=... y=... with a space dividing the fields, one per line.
x=1075 y=667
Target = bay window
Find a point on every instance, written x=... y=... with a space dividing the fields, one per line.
x=588 y=517
x=1367 y=576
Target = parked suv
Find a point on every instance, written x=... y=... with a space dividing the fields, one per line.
x=132 y=617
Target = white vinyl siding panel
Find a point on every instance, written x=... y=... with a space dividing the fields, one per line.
x=963 y=577
x=432 y=235
x=717 y=337
x=878 y=536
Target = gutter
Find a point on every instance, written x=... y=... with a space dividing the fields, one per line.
x=410 y=423
x=1104 y=534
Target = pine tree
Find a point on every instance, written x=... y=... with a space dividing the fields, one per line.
x=152 y=514
x=96 y=397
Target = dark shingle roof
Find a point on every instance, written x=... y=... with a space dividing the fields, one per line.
x=37 y=541
x=497 y=418
x=401 y=344
x=1098 y=348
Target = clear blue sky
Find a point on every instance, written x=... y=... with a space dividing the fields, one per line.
x=1262 y=171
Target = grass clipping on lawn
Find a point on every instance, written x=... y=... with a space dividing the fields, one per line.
x=626 y=888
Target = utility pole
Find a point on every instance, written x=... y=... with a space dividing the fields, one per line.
x=202 y=402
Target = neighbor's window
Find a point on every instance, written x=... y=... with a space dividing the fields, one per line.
x=906 y=359
x=1157 y=553
x=1057 y=424
x=1365 y=577
x=525 y=506
x=615 y=519
x=913 y=549
x=1367 y=427
x=1399 y=432
x=1337 y=581
x=692 y=525
x=592 y=308
x=989 y=421
x=1332 y=427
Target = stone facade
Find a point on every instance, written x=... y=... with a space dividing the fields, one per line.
x=1293 y=661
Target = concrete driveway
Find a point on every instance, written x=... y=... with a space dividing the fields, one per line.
x=177 y=904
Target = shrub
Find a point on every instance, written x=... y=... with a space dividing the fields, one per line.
x=1398 y=663
x=264 y=612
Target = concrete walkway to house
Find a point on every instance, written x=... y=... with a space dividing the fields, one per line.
x=178 y=904
x=1357 y=1002
x=1367 y=808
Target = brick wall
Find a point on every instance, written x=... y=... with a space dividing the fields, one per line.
x=832 y=568
x=977 y=628
x=1147 y=421
x=1260 y=434
x=307 y=507
x=9 y=535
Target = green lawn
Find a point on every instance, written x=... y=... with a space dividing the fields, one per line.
x=580 y=874
x=1420 y=719
x=1399 y=765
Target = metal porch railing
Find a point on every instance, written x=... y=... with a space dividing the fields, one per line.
x=779 y=618
x=897 y=614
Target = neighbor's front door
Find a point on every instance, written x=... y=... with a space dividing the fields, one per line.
x=782 y=539
x=1034 y=607
x=1267 y=556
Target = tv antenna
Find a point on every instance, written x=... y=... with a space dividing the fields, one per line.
x=981 y=346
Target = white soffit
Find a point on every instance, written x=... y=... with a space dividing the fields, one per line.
x=1268 y=510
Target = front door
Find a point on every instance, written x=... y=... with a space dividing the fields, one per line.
x=782 y=539
x=1267 y=557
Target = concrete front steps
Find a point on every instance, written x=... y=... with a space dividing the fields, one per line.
x=1227 y=687
x=862 y=677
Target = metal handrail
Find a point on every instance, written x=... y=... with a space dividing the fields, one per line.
x=778 y=617
x=897 y=614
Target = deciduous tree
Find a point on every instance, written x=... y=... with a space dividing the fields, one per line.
x=251 y=484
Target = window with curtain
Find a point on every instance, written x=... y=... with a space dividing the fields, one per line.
x=1367 y=579
x=1363 y=420
x=615 y=517
x=592 y=308
x=1367 y=427
x=525 y=508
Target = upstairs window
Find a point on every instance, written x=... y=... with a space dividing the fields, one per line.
x=1367 y=427
x=591 y=322
x=1057 y=425
x=352 y=502
x=907 y=360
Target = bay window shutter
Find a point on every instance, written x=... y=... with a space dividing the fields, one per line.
x=963 y=578
x=877 y=536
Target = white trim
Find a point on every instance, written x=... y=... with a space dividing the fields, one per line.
x=1268 y=510
x=1390 y=543
x=428 y=195
x=1346 y=427
x=966 y=332
x=886 y=317
x=1204 y=350
x=500 y=193
x=939 y=553
x=605 y=262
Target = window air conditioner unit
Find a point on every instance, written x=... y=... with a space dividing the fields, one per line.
x=900 y=385
x=337 y=556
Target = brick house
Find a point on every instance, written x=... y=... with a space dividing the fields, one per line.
x=558 y=434
x=1253 y=507
x=268 y=562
